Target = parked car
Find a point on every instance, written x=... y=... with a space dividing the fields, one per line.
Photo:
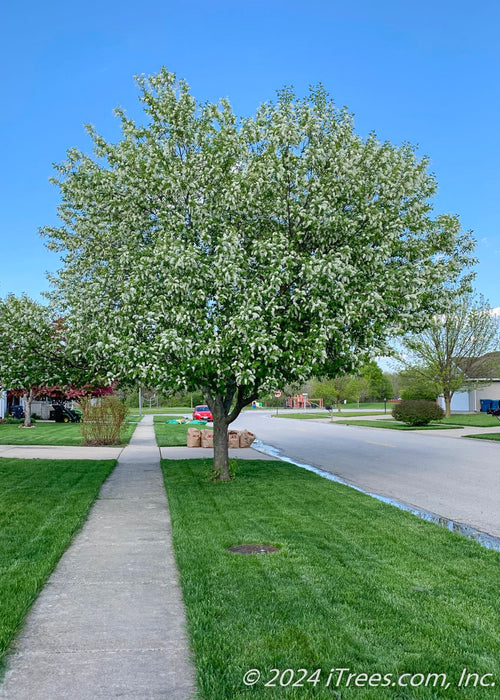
x=202 y=413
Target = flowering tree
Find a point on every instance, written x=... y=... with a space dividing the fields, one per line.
x=30 y=350
x=203 y=251
x=35 y=359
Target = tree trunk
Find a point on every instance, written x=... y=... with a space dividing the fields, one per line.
x=220 y=407
x=28 y=400
x=221 y=454
x=447 y=404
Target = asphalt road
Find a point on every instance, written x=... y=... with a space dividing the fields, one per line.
x=451 y=476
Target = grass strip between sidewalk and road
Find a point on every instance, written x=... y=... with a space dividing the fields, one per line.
x=42 y=504
x=476 y=420
x=391 y=424
x=356 y=584
x=303 y=416
x=485 y=436
x=371 y=405
x=65 y=434
x=327 y=414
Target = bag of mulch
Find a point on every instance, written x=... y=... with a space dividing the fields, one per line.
x=246 y=438
x=233 y=438
x=207 y=438
x=193 y=437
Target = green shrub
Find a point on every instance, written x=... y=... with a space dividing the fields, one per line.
x=417 y=412
x=102 y=420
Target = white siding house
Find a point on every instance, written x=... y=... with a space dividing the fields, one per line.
x=485 y=384
x=461 y=401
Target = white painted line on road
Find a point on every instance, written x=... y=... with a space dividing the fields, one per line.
x=384 y=444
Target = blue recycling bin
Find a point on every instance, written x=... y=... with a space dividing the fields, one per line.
x=485 y=405
x=17 y=411
x=494 y=405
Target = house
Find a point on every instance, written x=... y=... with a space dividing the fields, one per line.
x=41 y=406
x=484 y=379
x=7 y=401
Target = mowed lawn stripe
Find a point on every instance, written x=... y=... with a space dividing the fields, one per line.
x=396 y=425
x=42 y=504
x=172 y=434
x=65 y=434
x=356 y=583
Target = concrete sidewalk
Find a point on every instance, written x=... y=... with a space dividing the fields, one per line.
x=110 y=622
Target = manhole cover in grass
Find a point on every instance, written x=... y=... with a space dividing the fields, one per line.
x=252 y=549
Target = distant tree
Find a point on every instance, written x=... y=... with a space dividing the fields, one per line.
x=360 y=389
x=379 y=383
x=453 y=349
x=334 y=391
x=235 y=256
x=414 y=385
x=393 y=377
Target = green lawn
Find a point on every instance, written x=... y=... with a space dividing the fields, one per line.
x=327 y=414
x=301 y=416
x=170 y=435
x=66 y=434
x=376 y=404
x=395 y=425
x=161 y=409
x=485 y=436
x=357 y=584
x=478 y=420
x=42 y=504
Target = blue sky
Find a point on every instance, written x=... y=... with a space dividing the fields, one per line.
x=425 y=72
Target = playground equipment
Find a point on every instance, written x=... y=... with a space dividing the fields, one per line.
x=303 y=401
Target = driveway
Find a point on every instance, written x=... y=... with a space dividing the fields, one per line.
x=451 y=476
